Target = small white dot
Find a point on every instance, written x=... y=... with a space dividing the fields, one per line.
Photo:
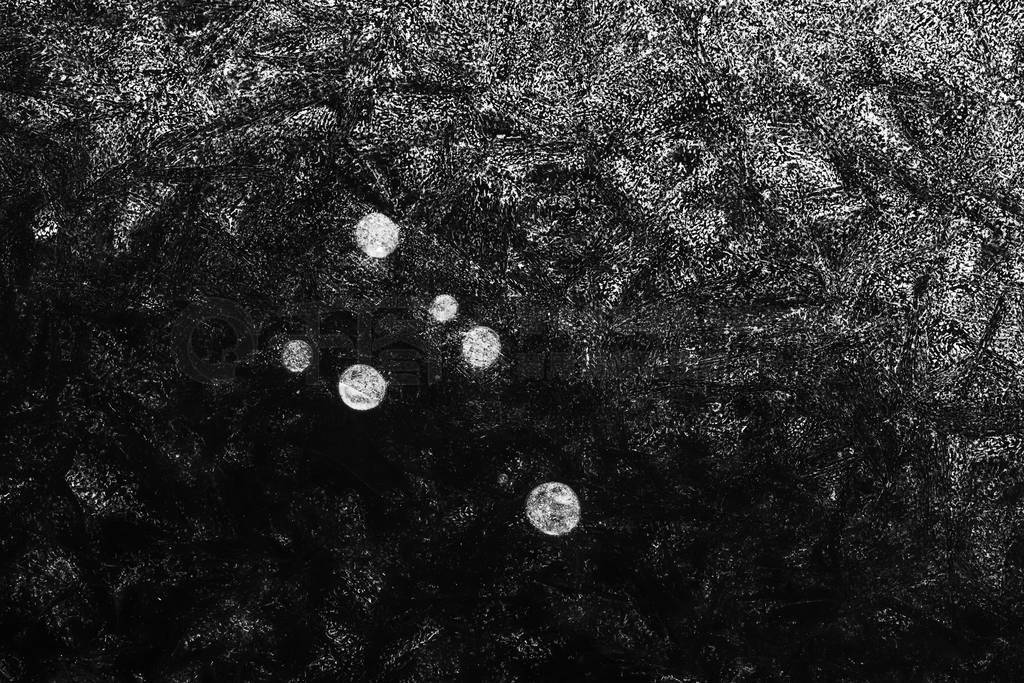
x=553 y=508
x=361 y=387
x=296 y=355
x=481 y=347
x=377 y=235
x=444 y=308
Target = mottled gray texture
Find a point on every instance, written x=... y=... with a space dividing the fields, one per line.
x=798 y=223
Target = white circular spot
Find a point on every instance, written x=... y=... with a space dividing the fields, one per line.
x=553 y=508
x=296 y=355
x=444 y=308
x=377 y=235
x=481 y=347
x=361 y=387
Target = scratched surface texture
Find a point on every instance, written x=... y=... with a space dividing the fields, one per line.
x=792 y=230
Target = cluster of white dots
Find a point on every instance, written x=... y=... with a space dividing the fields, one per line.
x=552 y=507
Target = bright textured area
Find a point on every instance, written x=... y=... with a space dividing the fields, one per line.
x=361 y=387
x=377 y=235
x=553 y=508
x=443 y=308
x=481 y=347
x=296 y=355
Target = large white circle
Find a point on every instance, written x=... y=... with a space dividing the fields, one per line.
x=443 y=308
x=377 y=235
x=553 y=508
x=481 y=347
x=361 y=387
x=296 y=355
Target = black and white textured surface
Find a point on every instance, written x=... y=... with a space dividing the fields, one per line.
x=756 y=274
